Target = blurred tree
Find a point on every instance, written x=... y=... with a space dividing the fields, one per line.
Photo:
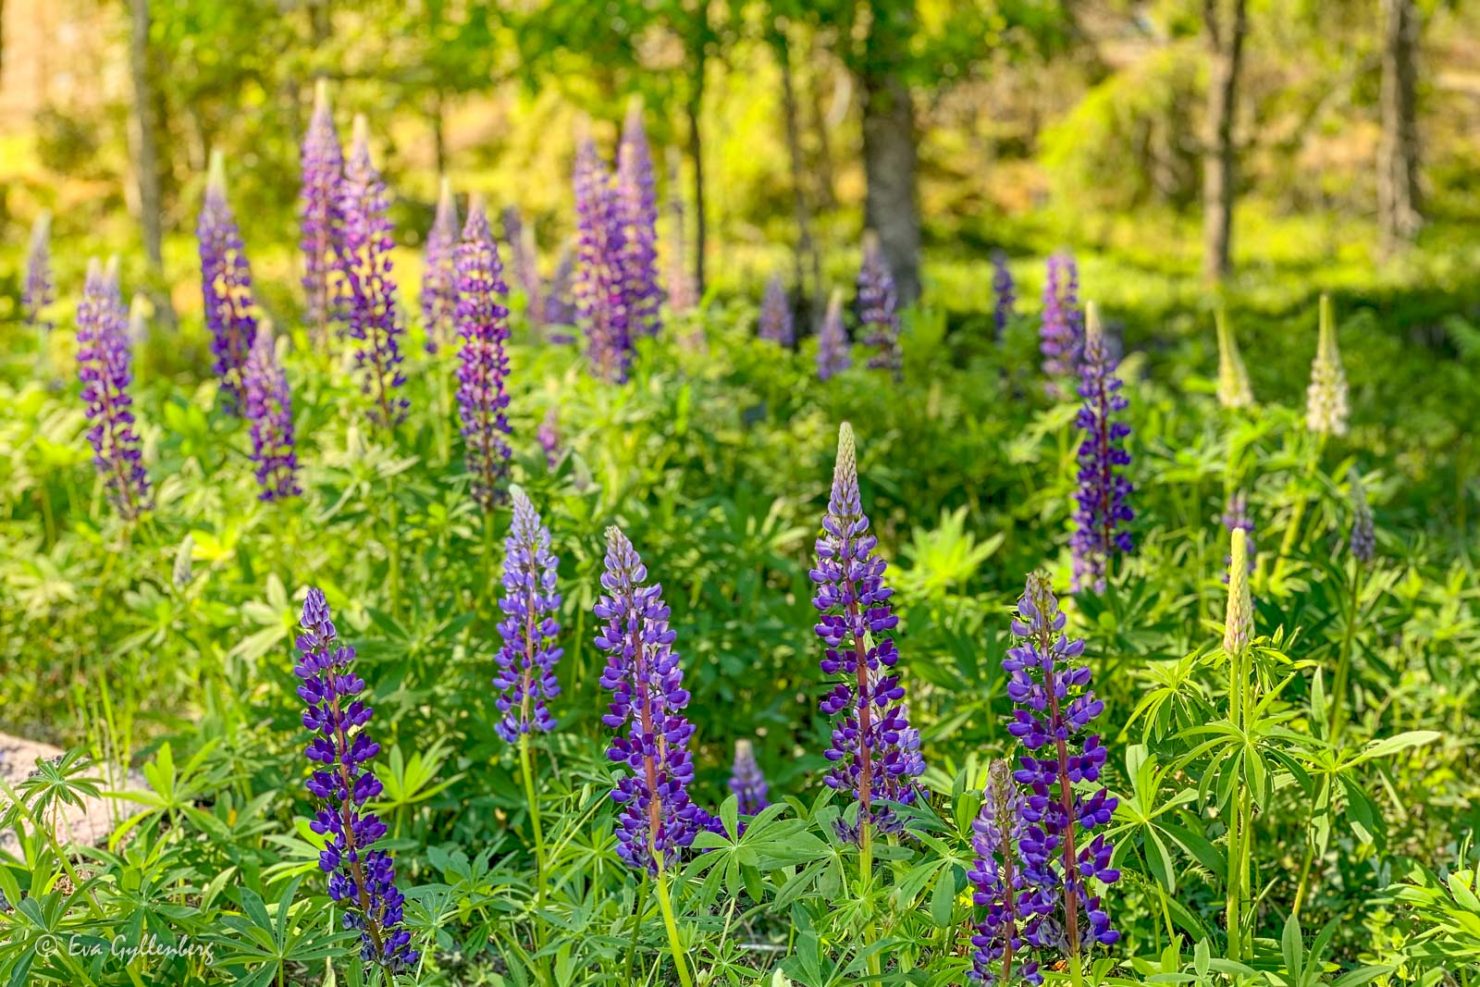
x=1225 y=30
x=1398 y=153
x=892 y=206
x=144 y=134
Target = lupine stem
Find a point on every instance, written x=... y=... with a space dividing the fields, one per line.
x=530 y=793
x=1339 y=712
x=642 y=893
x=666 y=907
x=1297 y=516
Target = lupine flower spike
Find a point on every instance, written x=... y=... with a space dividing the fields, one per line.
x=600 y=288
x=683 y=294
x=483 y=362
x=775 y=319
x=875 y=752
x=1003 y=292
x=878 y=308
x=1326 y=397
x=1364 y=534
x=1000 y=886
x=1237 y=518
x=1103 y=489
x=747 y=783
x=1050 y=688
x=226 y=285
x=1061 y=338
x=322 y=164
x=1233 y=379
x=439 y=273
x=524 y=260
x=1238 y=624
x=362 y=879
x=548 y=437
x=38 y=291
x=656 y=820
x=105 y=367
x=269 y=409
x=368 y=295
x=637 y=203
x=833 y=355
x=526 y=662
x=560 y=306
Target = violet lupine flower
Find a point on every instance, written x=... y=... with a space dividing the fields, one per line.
x=322 y=166
x=38 y=291
x=524 y=265
x=560 y=304
x=1003 y=292
x=362 y=879
x=439 y=273
x=105 y=367
x=1103 y=512
x=600 y=286
x=1236 y=518
x=1000 y=885
x=269 y=409
x=683 y=292
x=1364 y=532
x=226 y=285
x=637 y=205
x=875 y=752
x=526 y=662
x=747 y=783
x=548 y=436
x=878 y=308
x=656 y=820
x=1061 y=338
x=833 y=352
x=483 y=362
x=775 y=318
x=1054 y=709
x=367 y=292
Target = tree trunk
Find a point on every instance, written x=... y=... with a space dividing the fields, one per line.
x=694 y=110
x=1398 y=151
x=439 y=132
x=1226 y=49
x=892 y=209
x=144 y=130
x=805 y=260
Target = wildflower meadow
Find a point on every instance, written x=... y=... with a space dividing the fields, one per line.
x=413 y=573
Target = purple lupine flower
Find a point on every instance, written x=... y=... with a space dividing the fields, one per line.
x=637 y=205
x=1364 y=532
x=656 y=819
x=875 y=752
x=105 y=367
x=1103 y=488
x=1237 y=518
x=600 y=287
x=833 y=356
x=775 y=319
x=367 y=293
x=361 y=878
x=1002 y=291
x=1061 y=338
x=524 y=265
x=1050 y=689
x=878 y=308
x=548 y=436
x=226 y=285
x=1000 y=884
x=483 y=362
x=269 y=409
x=683 y=293
x=560 y=304
x=747 y=783
x=439 y=273
x=38 y=291
x=322 y=165
x=526 y=662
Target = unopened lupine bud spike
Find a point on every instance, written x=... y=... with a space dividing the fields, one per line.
x=1238 y=624
x=1234 y=390
x=1326 y=397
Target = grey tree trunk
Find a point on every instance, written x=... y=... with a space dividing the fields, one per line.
x=1398 y=152
x=806 y=261
x=694 y=109
x=892 y=209
x=1220 y=176
x=143 y=133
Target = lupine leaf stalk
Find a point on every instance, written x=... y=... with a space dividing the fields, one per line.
x=362 y=878
x=776 y=324
x=1103 y=489
x=226 y=285
x=1004 y=293
x=1061 y=338
x=1054 y=707
x=600 y=286
x=999 y=884
x=368 y=294
x=483 y=360
x=38 y=290
x=878 y=308
x=747 y=783
x=269 y=412
x=321 y=162
x=833 y=350
x=105 y=367
x=637 y=204
x=439 y=273
x=1234 y=390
